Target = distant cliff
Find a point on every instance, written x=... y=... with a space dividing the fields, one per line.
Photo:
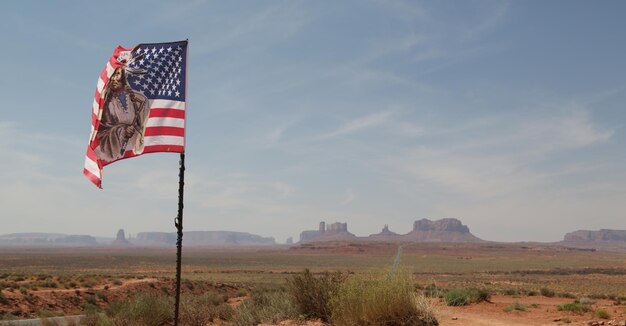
x=47 y=239
x=443 y=230
x=603 y=239
x=203 y=238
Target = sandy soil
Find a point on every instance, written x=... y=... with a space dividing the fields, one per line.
x=545 y=313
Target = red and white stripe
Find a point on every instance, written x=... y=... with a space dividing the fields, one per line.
x=165 y=128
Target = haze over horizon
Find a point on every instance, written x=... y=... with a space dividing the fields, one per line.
x=508 y=116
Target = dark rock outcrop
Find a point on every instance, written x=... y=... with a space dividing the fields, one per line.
x=120 y=239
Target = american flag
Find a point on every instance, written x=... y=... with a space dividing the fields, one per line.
x=156 y=73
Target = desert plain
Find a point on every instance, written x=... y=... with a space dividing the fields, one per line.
x=527 y=283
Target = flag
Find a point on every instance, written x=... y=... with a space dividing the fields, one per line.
x=139 y=105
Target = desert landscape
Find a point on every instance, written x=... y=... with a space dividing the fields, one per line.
x=519 y=284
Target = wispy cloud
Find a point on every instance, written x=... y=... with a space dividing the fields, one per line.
x=359 y=124
x=487 y=165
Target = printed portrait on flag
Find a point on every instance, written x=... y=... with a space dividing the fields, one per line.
x=123 y=119
x=139 y=105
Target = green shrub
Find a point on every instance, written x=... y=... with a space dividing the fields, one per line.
x=457 y=297
x=203 y=309
x=142 y=309
x=433 y=291
x=312 y=294
x=547 y=292
x=516 y=306
x=199 y=310
x=465 y=296
x=601 y=313
x=566 y=320
x=385 y=300
x=575 y=307
x=265 y=307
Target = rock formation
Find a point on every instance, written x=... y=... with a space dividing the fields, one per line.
x=332 y=232
x=384 y=235
x=120 y=239
x=203 y=238
x=604 y=239
x=424 y=230
x=443 y=230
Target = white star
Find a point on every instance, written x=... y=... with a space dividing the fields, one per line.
x=177 y=94
x=141 y=62
x=152 y=91
x=145 y=86
x=161 y=50
x=169 y=93
x=177 y=81
x=169 y=49
x=153 y=49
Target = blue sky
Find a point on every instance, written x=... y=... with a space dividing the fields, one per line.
x=506 y=115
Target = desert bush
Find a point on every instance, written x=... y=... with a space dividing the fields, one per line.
x=547 y=292
x=43 y=313
x=465 y=296
x=312 y=294
x=142 y=309
x=601 y=313
x=566 y=320
x=384 y=300
x=457 y=297
x=433 y=291
x=202 y=309
x=516 y=306
x=566 y=295
x=3 y=299
x=511 y=292
x=265 y=307
x=575 y=307
x=599 y=296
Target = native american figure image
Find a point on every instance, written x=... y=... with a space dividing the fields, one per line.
x=123 y=120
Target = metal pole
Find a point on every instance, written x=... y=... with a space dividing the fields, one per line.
x=179 y=227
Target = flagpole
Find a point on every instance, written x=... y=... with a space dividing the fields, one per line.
x=179 y=227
